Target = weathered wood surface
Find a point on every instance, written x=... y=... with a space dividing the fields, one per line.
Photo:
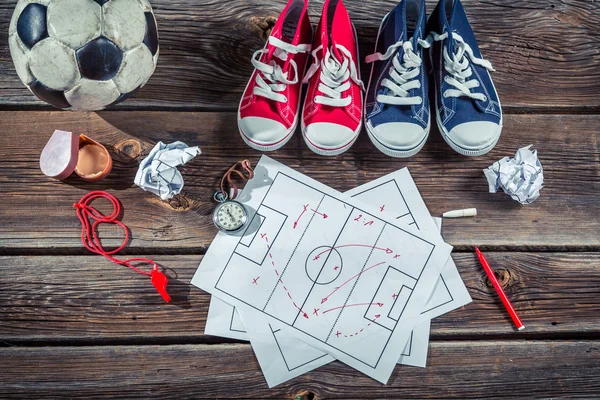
x=87 y=300
x=37 y=212
x=545 y=52
x=456 y=369
x=54 y=295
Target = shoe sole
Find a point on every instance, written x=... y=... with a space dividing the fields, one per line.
x=462 y=150
x=330 y=152
x=339 y=150
x=390 y=151
x=268 y=147
x=398 y=153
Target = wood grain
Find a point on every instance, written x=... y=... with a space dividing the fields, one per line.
x=484 y=369
x=87 y=300
x=37 y=212
x=545 y=52
x=72 y=324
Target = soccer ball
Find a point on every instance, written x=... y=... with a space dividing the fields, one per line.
x=83 y=54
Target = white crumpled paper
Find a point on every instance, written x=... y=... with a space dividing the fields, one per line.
x=158 y=172
x=520 y=177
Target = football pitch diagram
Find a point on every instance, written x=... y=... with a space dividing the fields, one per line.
x=394 y=201
x=333 y=271
x=387 y=196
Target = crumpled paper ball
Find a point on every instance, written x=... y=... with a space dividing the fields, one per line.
x=521 y=177
x=158 y=172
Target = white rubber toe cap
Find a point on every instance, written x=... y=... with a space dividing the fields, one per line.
x=263 y=131
x=475 y=136
x=399 y=135
x=329 y=139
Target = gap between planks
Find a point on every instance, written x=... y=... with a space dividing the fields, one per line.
x=507 y=110
x=200 y=251
x=215 y=340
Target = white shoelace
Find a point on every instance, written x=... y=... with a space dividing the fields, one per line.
x=273 y=80
x=403 y=73
x=459 y=68
x=335 y=77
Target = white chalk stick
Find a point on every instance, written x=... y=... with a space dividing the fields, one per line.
x=469 y=212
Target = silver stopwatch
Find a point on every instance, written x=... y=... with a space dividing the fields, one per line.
x=230 y=216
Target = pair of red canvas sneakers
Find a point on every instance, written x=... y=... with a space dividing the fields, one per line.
x=332 y=115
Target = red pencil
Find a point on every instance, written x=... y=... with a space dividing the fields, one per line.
x=494 y=280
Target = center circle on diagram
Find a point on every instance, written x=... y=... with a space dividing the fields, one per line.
x=324 y=265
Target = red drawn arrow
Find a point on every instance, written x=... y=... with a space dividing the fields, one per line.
x=300 y=216
x=387 y=250
x=355 y=276
x=356 y=333
x=321 y=214
x=353 y=305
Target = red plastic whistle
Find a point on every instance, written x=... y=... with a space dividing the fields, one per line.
x=160 y=280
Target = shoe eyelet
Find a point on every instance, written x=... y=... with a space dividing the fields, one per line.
x=485 y=99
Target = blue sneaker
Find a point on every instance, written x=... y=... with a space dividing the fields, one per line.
x=468 y=110
x=397 y=108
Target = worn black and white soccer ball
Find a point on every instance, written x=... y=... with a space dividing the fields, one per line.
x=83 y=54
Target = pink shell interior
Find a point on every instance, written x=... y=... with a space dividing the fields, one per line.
x=59 y=157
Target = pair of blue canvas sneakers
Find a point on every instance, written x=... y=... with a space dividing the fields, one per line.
x=397 y=111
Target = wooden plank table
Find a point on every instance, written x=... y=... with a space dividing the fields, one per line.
x=72 y=324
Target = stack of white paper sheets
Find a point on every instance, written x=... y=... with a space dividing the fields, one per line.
x=319 y=275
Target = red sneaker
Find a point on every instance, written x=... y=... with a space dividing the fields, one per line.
x=332 y=116
x=269 y=109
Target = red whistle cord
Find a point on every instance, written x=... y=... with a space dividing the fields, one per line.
x=89 y=237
